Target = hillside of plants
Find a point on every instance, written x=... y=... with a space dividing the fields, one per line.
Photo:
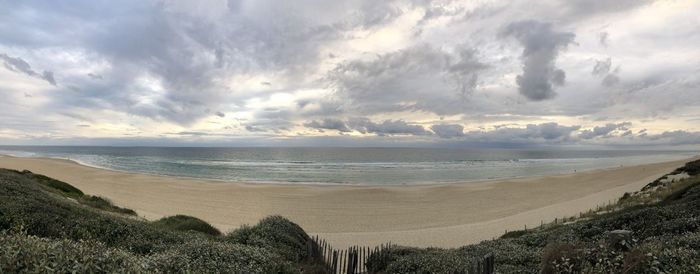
x=660 y=228
x=48 y=226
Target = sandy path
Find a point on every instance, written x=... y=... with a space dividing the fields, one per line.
x=435 y=215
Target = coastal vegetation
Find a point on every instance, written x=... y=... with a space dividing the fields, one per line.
x=49 y=226
x=187 y=223
x=44 y=228
x=660 y=226
x=66 y=190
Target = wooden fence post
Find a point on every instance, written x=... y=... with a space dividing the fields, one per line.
x=343 y=260
x=334 y=263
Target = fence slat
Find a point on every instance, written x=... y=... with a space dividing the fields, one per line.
x=353 y=260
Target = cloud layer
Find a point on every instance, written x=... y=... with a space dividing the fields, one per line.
x=426 y=72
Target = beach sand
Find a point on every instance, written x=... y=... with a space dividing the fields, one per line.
x=448 y=215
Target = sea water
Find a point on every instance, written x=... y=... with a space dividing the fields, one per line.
x=368 y=166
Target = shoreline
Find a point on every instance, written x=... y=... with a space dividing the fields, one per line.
x=340 y=184
x=440 y=215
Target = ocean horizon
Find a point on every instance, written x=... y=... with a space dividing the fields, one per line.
x=346 y=166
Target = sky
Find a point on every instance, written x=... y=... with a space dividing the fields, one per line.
x=350 y=73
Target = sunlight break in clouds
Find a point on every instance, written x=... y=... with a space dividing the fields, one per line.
x=350 y=73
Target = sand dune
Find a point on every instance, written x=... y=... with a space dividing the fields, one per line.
x=430 y=215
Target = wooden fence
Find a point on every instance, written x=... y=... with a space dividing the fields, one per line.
x=353 y=260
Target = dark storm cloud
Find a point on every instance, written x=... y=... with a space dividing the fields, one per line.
x=448 y=130
x=541 y=46
x=385 y=128
x=416 y=78
x=328 y=123
x=388 y=127
x=17 y=64
x=551 y=133
x=604 y=131
x=271 y=120
x=677 y=137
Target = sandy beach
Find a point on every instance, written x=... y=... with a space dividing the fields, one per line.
x=447 y=215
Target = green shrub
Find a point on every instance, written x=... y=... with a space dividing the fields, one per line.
x=205 y=256
x=21 y=253
x=187 y=223
x=275 y=233
x=513 y=234
x=104 y=204
x=561 y=258
x=634 y=261
x=64 y=188
x=428 y=261
x=692 y=168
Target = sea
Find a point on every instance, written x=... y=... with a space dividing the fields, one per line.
x=350 y=166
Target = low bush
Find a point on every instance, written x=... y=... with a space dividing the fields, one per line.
x=67 y=190
x=277 y=233
x=187 y=223
x=692 y=168
x=63 y=187
x=513 y=234
x=561 y=258
x=412 y=260
x=104 y=204
x=21 y=253
x=205 y=256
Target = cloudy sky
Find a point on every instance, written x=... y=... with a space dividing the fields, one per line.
x=349 y=73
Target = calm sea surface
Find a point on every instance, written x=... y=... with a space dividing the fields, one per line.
x=372 y=166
